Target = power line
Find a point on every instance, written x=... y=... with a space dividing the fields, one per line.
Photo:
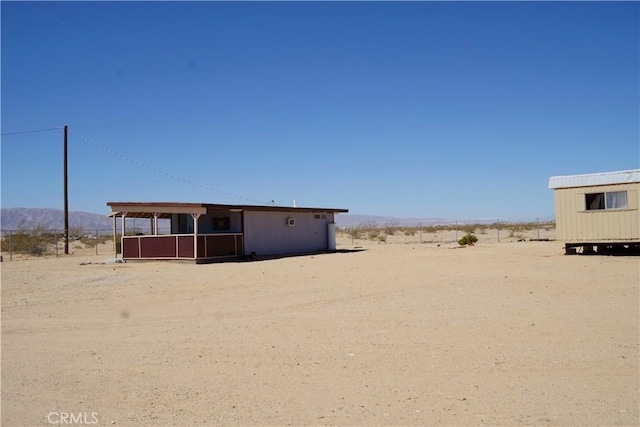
x=31 y=131
x=161 y=172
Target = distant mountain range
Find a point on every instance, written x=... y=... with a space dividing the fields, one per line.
x=349 y=220
x=13 y=218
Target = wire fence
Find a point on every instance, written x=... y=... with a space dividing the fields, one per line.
x=487 y=230
x=43 y=240
x=46 y=241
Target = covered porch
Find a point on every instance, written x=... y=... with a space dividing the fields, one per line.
x=191 y=232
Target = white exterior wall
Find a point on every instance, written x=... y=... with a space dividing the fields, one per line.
x=266 y=233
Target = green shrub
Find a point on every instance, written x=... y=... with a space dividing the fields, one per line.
x=468 y=239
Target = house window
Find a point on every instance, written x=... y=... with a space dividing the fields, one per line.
x=609 y=200
x=221 y=224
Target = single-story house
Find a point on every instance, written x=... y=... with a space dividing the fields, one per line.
x=205 y=232
x=598 y=213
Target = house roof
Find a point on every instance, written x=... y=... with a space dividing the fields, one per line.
x=593 y=179
x=165 y=209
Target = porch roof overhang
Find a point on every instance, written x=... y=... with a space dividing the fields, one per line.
x=165 y=209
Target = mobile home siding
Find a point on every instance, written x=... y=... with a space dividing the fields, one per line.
x=267 y=233
x=576 y=224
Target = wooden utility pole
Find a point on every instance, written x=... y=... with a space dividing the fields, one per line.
x=66 y=197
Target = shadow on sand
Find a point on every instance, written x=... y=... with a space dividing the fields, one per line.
x=255 y=257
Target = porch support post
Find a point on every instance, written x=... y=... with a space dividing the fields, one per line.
x=115 y=244
x=195 y=217
x=124 y=230
x=154 y=225
x=124 y=224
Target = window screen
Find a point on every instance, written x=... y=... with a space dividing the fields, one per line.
x=616 y=200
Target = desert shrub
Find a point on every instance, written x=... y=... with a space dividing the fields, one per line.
x=373 y=233
x=436 y=228
x=356 y=232
x=76 y=232
x=92 y=241
x=468 y=239
x=33 y=241
x=468 y=228
x=409 y=231
x=369 y=230
x=390 y=228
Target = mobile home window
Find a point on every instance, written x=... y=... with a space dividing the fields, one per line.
x=616 y=200
x=610 y=200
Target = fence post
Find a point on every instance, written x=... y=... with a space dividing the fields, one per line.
x=10 y=245
x=420 y=228
x=456 y=230
x=55 y=236
x=96 y=236
x=384 y=232
x=538 y=219
x=498 y=228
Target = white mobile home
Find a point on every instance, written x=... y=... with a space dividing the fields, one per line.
x=205 y=232
x=598 y=213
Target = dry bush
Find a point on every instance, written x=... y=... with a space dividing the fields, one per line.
x=390 y=228
x=35 y=240
x=356 y=232
x=92 y=241
x=409 y=231
x=436 y=228
x=468 y=228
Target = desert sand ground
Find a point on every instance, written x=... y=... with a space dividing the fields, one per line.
x=402 y=333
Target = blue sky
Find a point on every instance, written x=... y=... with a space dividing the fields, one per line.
x=430 y=109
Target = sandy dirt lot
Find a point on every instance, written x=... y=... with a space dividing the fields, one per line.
x=509 y=333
